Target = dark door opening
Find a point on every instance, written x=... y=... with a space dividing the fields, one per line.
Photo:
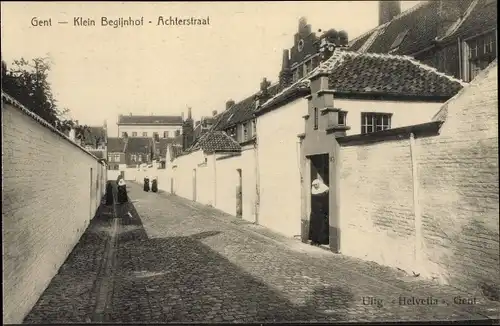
x=319 y=219
x=239 y=195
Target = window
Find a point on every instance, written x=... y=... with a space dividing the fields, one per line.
x=165 y=134
x=124 y=134
x=372 y=122
x=307 y=67
x=316 y=119
x=133 y=158
x=134 y=133
x=232 y=132
x=245 y=131
x=254 y=127
x=342 y=118
x=156 y=137
x=481 y=52
x=177 y=133
x=295 y=75
x=139 y=158
x=399 y=39
x=144 y=134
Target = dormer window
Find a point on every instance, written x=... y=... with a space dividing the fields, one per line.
x=245 y=131
x=399 y=39
x=295 y=76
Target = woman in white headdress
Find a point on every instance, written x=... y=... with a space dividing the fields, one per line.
x=154 y=184
x=122 y=192
x=319 y=225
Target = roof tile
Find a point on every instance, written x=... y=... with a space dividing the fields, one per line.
x=215 y=141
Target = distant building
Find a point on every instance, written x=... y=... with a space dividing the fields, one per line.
x=147 y=126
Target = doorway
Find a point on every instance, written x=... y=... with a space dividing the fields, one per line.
x=319 y=218
x=194 y=184
x=239 y=194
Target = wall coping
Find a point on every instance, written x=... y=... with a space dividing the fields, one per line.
x=427 y=129
x=16 y=104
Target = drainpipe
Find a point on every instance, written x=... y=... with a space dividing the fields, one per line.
x=460 y=63
x=416 y=205
x=257 y=182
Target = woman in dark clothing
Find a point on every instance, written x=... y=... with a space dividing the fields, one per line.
x=146 y=184
x=122 y=196
x=154 y=185
x=109 y=193
x=319 y=224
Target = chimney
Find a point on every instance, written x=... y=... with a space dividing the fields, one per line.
x=182 y=116
x=130 y=114
x=285 y=78
x=263 y=95
x=387 y=10
x=189 y=114
x=214 y=113
x=229 y=104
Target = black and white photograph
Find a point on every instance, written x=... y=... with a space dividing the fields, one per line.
x=250 y=162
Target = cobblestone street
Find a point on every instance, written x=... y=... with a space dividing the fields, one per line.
x=173 y=260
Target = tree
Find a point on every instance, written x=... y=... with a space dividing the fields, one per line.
x=27 y=81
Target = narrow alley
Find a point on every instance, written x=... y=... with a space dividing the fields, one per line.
x=167 y=259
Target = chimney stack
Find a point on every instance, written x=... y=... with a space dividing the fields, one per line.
x=189 y=114
x=182 y=116
x=72 y=134
x=285 y=78
x=214 y=113
x=229 y=104
x=387 y=10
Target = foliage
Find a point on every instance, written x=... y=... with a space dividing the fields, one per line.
x=27 y=81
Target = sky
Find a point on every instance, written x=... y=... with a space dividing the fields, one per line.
x=100 y=72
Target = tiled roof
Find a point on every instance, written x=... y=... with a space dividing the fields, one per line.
x=138 y=145
x=115 y=145
x=91 y=134
x=417 y=27
x=481 y=18
x=389 y=74
x=354 y=72
x=241 y=111
x=215 y=141
x=150 y=120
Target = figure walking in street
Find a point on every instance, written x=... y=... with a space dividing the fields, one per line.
x=122 y=196
x=154 y=184
x=109 y=194
x=319 y=225
x=146 y=184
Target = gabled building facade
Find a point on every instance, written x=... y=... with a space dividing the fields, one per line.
x=458 y=38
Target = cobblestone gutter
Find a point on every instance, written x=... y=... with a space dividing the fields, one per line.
x=72 y=293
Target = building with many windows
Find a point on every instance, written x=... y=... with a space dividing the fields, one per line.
x=147 y=126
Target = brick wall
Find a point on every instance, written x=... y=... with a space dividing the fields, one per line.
x=49 y=196
x=455 y=184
